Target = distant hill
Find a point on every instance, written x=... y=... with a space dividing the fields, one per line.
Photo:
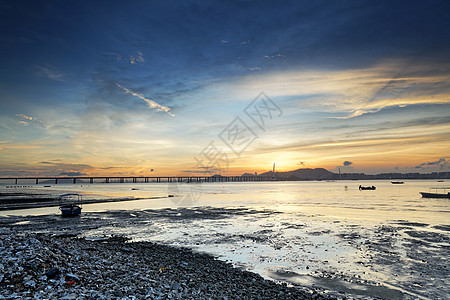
x=247 y=175
x=303 y=174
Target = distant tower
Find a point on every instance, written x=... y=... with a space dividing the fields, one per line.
x=273 y=172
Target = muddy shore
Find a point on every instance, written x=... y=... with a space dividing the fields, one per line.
x=395 y=260
x=19 y=200
x=43 y=266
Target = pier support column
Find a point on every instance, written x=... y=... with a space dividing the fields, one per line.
x=37 y=180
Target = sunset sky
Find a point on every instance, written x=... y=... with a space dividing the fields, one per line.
x=153 y=88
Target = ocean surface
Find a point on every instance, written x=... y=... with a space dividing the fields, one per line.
x=389 y=242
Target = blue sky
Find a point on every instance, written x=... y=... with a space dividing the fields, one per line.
x=120 y=87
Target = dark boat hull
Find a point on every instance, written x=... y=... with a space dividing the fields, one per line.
x=435 y=195
x=367 y=188
x=70 y=210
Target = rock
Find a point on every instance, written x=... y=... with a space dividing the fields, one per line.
x=66 y=252
x=112 y=271
x=175 y=286
x=30 y=283
x=72 y=296
x=52 y=273
x=71 y=277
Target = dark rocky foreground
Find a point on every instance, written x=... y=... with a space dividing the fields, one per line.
x=43 y=266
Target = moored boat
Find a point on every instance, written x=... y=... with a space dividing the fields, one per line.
x=435 y=194
x=367 y=188
x=72 y=207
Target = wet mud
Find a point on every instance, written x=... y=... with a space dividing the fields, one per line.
x=395 y=260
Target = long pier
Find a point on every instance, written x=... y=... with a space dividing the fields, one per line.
x=132 y=179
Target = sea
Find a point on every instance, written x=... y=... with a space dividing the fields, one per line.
x=385 y=243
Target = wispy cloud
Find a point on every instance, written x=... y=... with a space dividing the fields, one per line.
x=255 y=69
x=50 y=72
x=273 y=56
x=26 y=120
x=137 y=58
x=440 y=162
x=352 y=93
x=24 y=116
x=3 y=142
x=376 y=106
x=150 y=102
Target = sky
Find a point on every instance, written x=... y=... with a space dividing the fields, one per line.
x=161 y=88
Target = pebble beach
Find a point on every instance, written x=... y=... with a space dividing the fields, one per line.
x=42 y=266
x=239 y=241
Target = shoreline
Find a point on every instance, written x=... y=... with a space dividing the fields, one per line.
x=66 y=267
x=55 y=202
x=383 y=260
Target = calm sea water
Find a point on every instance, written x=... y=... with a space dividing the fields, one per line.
x=334 y=200
x=389 y=242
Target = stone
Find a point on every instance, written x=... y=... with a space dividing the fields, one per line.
x=30 y=283
x=52 y=273
x=72 y=296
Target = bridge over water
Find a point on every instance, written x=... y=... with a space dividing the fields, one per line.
x=132 y=179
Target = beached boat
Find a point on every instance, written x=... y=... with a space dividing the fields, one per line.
x=70 y=205
x=367 y=188
x=397 y=182
x=433 y=193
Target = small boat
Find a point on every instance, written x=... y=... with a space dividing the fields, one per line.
x=367 y=188
x=433 y=193
x=397 y=182
x=72 y=207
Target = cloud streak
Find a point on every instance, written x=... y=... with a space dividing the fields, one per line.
x=50 y=73
x=139 y=58
x=351 y=93
x=441 y=162
x=151 y=103
x=26 y=120
x=25 y=117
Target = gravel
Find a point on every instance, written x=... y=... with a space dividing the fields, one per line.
x=44 y=266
